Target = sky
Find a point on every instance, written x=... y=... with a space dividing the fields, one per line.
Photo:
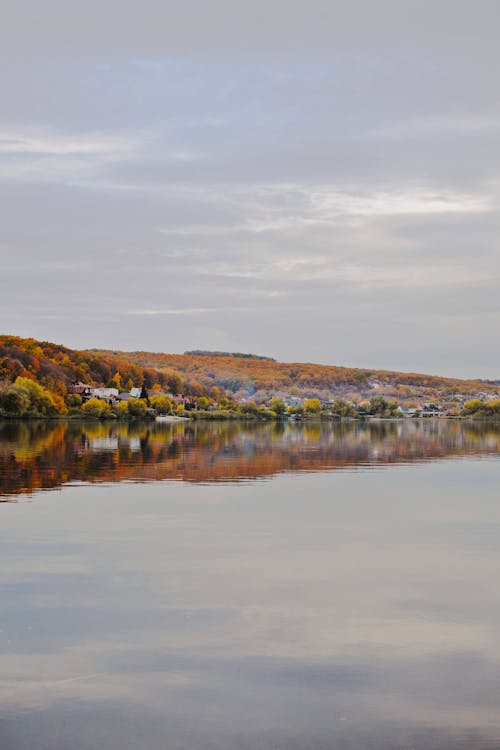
x=314 y=181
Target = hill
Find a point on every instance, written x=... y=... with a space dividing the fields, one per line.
x=216 y=374
x=260 y=377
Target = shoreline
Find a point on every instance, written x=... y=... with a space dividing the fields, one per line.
x=234 y=417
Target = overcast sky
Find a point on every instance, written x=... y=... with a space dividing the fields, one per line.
x=315 y=181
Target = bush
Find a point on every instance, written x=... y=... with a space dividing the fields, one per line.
x=341 y=408
x=312 y=405
x=137 y=407
x=250 y=409
x=277 y=405
x=121 y=409
x=94 y=407
x=161 y=404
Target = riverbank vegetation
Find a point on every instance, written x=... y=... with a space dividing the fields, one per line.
x=478 y=408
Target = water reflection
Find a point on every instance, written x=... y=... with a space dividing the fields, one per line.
x=42 y=455
x=325 y=610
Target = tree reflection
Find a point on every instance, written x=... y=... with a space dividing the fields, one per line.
x=43 y=455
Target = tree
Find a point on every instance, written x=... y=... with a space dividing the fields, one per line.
x=74 y=400
x=14 y=400
x=249 y=408
x=174 y=382
x=473 y=407
x=227 y=403
x=278 y=406
x=312 y=405
x=161 y=404
x=137 y=407
x=41 y=402
x=95 y=407
x=382 y=407
x=121 y=409
x=343 y=408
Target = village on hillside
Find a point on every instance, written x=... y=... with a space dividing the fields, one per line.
x=285 y=405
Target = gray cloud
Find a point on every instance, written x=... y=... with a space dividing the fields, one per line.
x=315 y=182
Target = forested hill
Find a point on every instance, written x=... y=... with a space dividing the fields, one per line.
x=245 y=376
x=56 y=366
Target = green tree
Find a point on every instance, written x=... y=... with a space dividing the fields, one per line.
x=74 y=400
x=14 y=400
x=342 y=408
x=382 y=407
x=249 y=408
x=277 y=405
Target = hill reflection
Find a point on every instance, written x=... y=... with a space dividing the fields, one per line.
x=36 y=456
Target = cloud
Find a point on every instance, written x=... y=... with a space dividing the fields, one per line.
x=172 y=311
x=275 y=208
x=360 y=277
x=51 y=157
x=306 y=176
x=60 y=144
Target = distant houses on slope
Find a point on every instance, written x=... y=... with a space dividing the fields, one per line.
x=113 y=396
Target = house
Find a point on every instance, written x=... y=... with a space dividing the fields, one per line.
x=81 y=389
x=124 y=396
x=105 y=394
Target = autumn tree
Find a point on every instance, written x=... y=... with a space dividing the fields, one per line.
x=137 y=407
x=161 y=404
x=26 y=397
x=174 y=382
x=312 y=405
x=97 y=408
x=116 y=381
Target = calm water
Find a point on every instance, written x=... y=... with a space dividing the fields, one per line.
x=311 y=587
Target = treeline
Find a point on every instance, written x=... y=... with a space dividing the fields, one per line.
x=237 y=355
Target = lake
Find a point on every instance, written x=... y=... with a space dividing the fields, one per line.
x=239 y=586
